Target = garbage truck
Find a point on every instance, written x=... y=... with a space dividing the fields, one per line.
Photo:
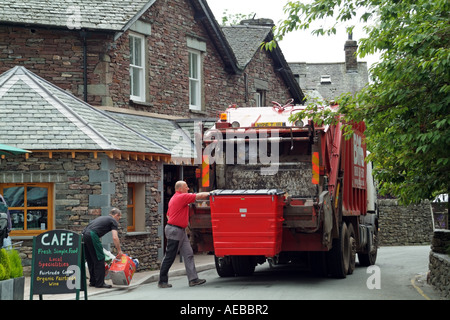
x=285 y=192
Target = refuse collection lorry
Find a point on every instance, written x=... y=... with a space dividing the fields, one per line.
x=285 y=192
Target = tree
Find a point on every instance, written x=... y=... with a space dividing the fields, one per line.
x=234 y=19
x=406 y=105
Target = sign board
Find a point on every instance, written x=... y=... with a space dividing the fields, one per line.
x=58 y=264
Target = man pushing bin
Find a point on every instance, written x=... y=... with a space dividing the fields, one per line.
x=93 y=248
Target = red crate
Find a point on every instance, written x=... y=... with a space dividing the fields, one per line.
x=247 y=222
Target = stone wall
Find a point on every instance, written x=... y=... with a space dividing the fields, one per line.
x=404 y=225
x=86 y=187
x=439 y=276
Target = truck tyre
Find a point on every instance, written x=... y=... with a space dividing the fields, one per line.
x=224 y=267
x=368 y=258
x=351 y=234
x=243 y=265
x=339 y=255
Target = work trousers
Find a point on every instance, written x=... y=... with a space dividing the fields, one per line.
x=95 y=259
x=177 y=240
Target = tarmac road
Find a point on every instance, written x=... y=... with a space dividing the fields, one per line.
x=399 y=274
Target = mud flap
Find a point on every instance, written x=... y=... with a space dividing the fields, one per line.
x=327 y=210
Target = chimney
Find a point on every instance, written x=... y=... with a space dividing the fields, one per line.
x=258 y=22
x=351 y=62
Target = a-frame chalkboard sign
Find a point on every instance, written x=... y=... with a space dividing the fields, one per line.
x=58 y=264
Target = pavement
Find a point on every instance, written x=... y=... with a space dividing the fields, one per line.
x=202 y=262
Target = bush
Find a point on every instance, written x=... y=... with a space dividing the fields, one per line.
x=16 y=264
x=10 y=264
x=2 y=273
x=5 y=269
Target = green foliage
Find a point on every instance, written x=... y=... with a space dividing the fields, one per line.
x=406 y=107
x=2 y=273
x=16 y=264
x=10 y=264
x=234 y=19
x=5 y=265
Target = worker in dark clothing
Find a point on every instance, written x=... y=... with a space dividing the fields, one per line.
x=93 y=248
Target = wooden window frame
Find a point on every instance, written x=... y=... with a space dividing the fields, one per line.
x=25 y=208
x=131 y=226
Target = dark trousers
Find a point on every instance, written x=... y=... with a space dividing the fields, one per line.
x=177 y=240
x=96 y=264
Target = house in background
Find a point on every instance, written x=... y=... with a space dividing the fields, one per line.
x=328 y=81
x=245 y=40
x=103 y=93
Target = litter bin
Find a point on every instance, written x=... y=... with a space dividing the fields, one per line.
x=247 y=222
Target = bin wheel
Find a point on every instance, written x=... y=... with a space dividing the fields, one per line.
x=224 y=267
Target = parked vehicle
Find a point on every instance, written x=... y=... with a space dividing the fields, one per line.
x=286 y=192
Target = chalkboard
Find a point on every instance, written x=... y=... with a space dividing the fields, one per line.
x=58 y=264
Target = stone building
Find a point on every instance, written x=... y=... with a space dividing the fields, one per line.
x=103 y=94
x=328 y=80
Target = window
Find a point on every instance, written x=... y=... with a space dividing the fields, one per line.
x=30 y=206
x=260 y=97
x=131 y=226
x=136 y=207
x=325 y=79
x=195 y=80
x=137 y=67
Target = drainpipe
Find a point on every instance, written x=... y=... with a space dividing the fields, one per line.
x=83 y=34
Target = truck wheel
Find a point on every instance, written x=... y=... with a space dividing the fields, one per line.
x=224 y=267
x=351 y=234
x=243 y=265
x=339 y=255
x=368 y=259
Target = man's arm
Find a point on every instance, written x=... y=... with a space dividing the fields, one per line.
x=201 y=196
x=115 y=236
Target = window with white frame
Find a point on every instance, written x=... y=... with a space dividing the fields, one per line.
x=137 y=67
x=195 y=99
x=325 y=79
x=260 y=97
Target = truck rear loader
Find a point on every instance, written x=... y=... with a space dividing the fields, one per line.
x=285 y=192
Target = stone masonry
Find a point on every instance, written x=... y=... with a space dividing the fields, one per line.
x=404 y=225
x=85 y=188
x=439 y=276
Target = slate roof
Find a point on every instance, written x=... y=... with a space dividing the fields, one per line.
x=167 y=133
x=113 y=15
x=245 y=40
x=37 y=115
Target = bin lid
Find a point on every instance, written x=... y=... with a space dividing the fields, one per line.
x=231 y=192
